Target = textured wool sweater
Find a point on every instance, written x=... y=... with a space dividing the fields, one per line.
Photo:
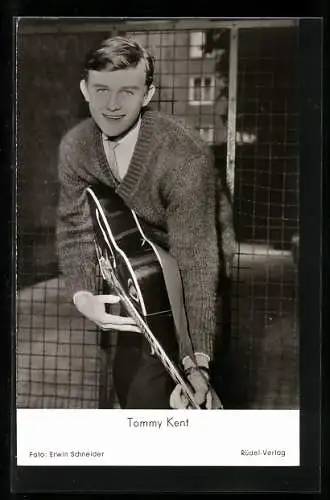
x=170 y=184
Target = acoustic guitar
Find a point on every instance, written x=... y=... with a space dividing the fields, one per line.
x=144 y=276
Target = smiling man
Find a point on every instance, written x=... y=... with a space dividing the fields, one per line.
x=165 y=173
x=116 y=98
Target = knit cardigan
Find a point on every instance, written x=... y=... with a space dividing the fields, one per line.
x=170 y=184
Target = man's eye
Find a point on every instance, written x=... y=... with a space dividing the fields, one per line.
x=128 y=92
x=99 y=91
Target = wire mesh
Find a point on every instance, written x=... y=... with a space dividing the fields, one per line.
x=265 y=334
x=57 y=352
x=62 y=360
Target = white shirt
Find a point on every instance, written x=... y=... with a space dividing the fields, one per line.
x=123 y=150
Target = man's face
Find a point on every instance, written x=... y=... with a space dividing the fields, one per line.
x=116 y=98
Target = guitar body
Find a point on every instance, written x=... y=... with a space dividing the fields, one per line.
x=146 y=279
x=119 y=237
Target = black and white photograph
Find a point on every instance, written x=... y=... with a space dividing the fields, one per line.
x=158 y=226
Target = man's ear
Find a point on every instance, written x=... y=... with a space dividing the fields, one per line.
x=149 y=95
x=84 y=89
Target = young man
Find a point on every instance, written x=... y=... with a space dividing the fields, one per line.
x=163 y=172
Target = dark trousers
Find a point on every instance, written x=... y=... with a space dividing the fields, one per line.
x=140 y=380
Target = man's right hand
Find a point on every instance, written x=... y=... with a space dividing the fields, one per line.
x=93 y=308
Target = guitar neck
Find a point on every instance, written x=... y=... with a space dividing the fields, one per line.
x=110 y=276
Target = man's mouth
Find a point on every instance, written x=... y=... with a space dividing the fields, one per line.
x=113 y=117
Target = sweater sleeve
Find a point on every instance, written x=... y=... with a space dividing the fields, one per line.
x=75 y=244
x=191 y=219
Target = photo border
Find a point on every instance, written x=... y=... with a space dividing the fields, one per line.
x=222 y=479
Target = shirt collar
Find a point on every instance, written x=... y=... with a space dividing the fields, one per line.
x=129 y=138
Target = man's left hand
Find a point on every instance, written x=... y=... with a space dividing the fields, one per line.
x=198 y=376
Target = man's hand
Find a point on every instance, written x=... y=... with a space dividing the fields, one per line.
x=93 y=308
x=198 y=376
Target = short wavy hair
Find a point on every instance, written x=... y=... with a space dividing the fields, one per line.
x=119 y=53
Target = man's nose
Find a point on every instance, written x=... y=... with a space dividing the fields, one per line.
x=113 y=101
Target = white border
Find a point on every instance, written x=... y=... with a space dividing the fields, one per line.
x=158 y=437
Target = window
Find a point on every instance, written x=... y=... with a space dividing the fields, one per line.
x=197 y=41
x=207 y=134
x=201 y=90
x=245 y=138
